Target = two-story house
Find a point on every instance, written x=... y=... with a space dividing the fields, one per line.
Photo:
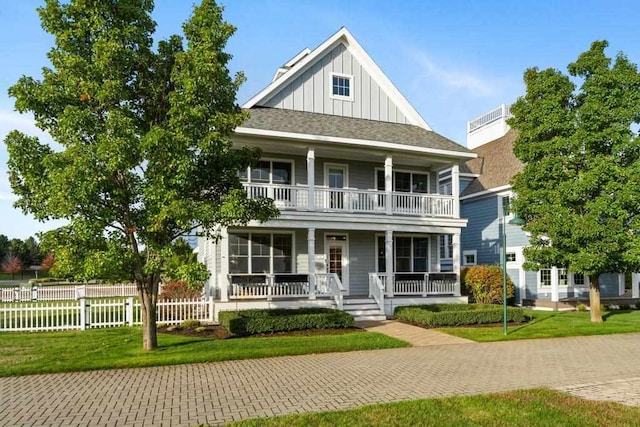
x=484 y=190
x=353 y=168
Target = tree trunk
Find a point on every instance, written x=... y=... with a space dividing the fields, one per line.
x=149 y=302
x=594 y=299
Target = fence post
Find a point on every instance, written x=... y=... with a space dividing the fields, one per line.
x=128 y=320
x=211 y=312
x=83 y=314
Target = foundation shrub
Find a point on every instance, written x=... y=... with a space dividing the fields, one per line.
x=252 y=322
x=483 y=284
x=435 y=315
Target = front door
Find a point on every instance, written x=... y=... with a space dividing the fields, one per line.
x=338 y=261
x=336 y=179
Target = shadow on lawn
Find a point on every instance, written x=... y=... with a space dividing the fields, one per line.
x=533 y=322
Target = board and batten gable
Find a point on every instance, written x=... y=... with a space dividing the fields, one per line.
x=312 y=91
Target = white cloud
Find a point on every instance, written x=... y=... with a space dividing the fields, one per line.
x=451 y=77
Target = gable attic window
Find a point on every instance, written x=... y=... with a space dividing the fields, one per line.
x=341 y=86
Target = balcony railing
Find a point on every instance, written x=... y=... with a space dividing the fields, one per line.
x=292 y=197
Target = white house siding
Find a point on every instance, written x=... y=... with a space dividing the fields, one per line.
x=311 y=91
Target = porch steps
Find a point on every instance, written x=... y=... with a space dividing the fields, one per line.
x=363 y=309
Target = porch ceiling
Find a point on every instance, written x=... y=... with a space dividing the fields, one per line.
x=332 y=150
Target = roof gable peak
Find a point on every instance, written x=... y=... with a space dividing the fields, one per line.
x=307 y=58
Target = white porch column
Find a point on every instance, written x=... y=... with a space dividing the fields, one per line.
x=635 y=285
x=311 y=251
x=311 y=177
x=555 y=297
x=223 y=283
x=455 y=240
x=388 y=183
x=388 y=261
x=621 y=285
x=455 y=189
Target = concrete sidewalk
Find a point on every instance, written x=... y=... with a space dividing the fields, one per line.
x=216 y=393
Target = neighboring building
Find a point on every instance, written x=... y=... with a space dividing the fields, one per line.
x=354 y=170
x=484 y=190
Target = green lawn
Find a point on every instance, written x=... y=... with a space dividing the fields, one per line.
x=538 y=407
x=47 y=352
x=550 y=324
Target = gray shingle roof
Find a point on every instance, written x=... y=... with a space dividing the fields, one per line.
x=496 y=164
x=302 y=122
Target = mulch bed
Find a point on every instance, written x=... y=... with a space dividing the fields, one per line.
x=218 y=332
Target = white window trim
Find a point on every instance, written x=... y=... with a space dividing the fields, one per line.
x=448 y=246
x=341 y=97
x=271 y=160
x=473 y=252
x=429 y=250
x=570 y=280
x=393 y=178
x=500 y=207
x=573 y=282
x=271 y=233
x=539 y=278
x=344 y=166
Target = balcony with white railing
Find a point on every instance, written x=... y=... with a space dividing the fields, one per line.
x=348 y=200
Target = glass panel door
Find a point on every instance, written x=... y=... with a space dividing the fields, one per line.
x=336 y=179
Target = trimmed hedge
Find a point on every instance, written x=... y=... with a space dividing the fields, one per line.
x=252 y=322
x=458 y=314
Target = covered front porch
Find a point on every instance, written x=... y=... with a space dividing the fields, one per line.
x=260 y=267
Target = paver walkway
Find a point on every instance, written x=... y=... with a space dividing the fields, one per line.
x=215 y=393
x=414 y=335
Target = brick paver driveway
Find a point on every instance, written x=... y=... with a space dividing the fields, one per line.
x=220 y=392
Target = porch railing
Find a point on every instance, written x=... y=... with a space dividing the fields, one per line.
x=330 y=284
x=423 y=284
x=284 y=285
x=377 y=288
x=296 y=197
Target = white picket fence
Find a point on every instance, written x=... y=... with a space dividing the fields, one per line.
x=60 y=293
x=96 y=313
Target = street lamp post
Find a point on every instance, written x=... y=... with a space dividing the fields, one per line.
x=515 y=221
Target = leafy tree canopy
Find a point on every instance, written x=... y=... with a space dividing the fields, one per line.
x=146 y=155
x=579 y=192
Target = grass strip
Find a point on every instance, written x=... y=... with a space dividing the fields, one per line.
x=49 y=352
x=531 y=408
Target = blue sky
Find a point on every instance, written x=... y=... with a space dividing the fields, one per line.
x=453 y=60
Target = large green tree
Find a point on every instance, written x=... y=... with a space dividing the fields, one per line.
x=579 y=192
x=146 y=155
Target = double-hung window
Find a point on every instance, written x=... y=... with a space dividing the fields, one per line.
x=405 y=182
x=260 y=253
x=411 y=254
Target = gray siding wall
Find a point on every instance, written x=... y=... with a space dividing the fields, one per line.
x=362 y=175
x=311 y=91
x=484 y=230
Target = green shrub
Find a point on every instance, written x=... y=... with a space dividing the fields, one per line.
x=251 y=322
x=625 y=307
x=200 y=329
x=190 y=323
x=434 y=315
x=483 y=284
x=581 y=307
